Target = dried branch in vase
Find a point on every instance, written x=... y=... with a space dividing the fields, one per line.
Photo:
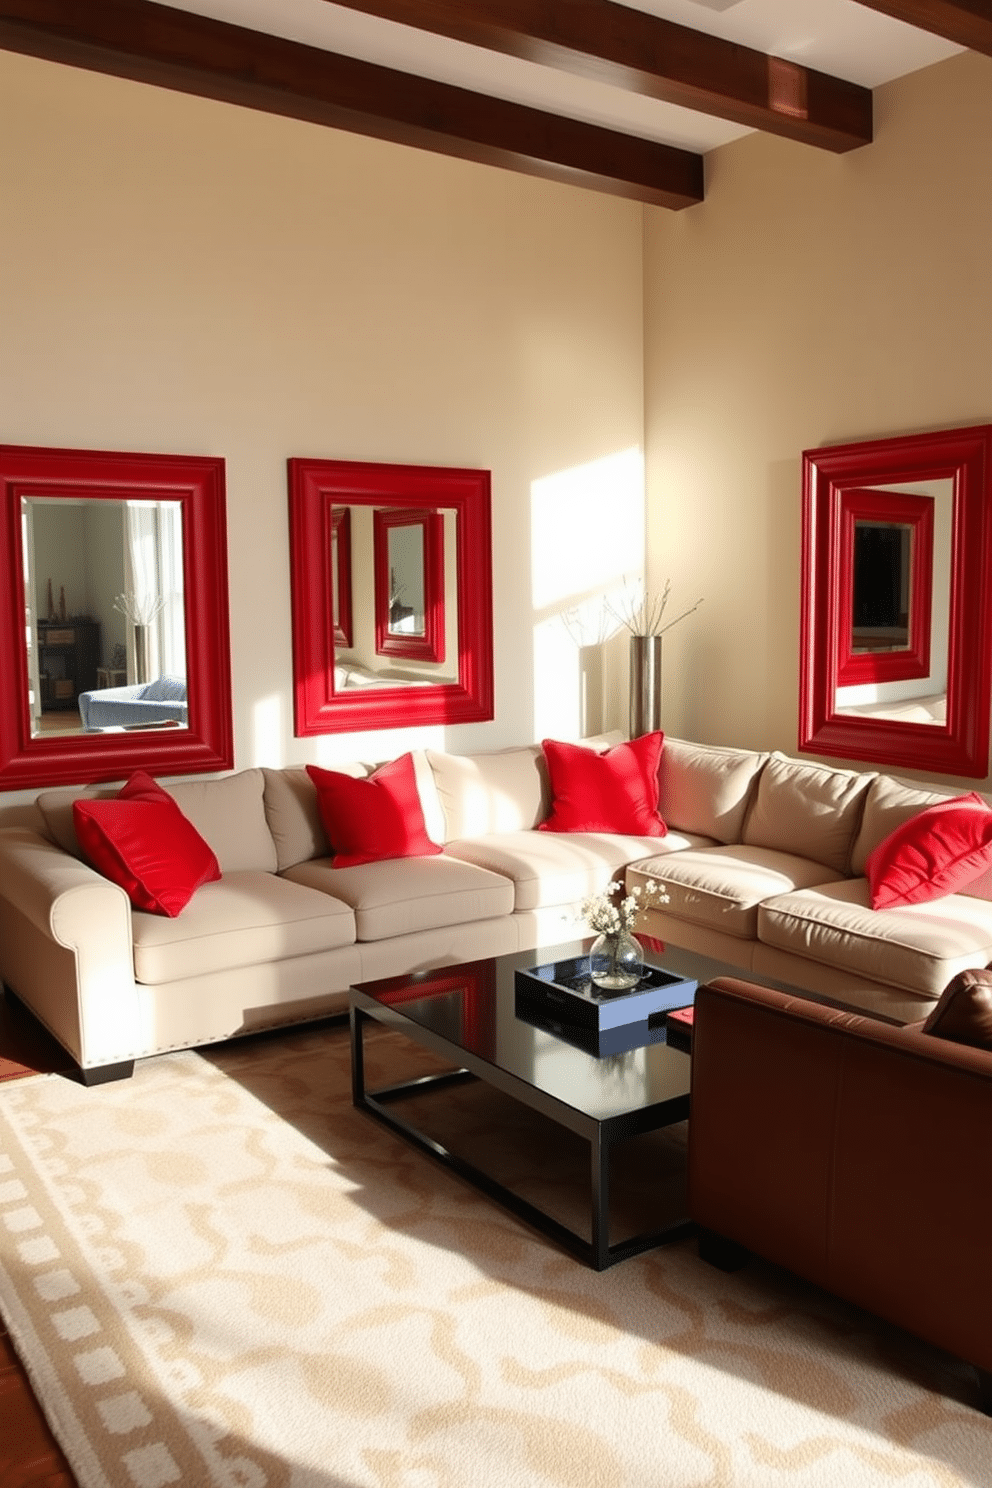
x=140 y=611
x=642 y=612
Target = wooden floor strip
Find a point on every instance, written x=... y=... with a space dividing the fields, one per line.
x=30 y=1457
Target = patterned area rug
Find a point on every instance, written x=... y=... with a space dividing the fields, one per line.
x=219 y=1273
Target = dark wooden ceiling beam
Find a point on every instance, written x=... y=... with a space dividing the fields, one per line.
x=968 y=22
x=642 y=53
x=176 y=49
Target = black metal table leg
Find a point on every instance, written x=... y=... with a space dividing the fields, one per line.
x=358 y=1021
x=600 y=1189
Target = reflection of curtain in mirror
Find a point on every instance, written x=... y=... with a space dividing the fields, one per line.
x=153 y=570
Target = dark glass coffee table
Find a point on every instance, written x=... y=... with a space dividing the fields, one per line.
x=466 y=1014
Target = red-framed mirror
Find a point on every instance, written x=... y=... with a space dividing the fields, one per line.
x=75 y=525
x=896 y=660
x=408 y=560
x=355 y=685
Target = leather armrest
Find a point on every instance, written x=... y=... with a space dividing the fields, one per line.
x=853 y=1152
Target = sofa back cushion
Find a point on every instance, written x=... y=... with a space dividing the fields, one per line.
x=56 y=808
x=143 y=842
x=706 y=789
x=813 y=811
x=506 y=791
x=292 y=808
x=293 y=814
x=890 y=802
x=165 y=689
x=227 y=813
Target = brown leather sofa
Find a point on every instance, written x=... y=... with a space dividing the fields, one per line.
x=855 y=1153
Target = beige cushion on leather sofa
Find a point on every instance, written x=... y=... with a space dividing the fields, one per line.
x=813 y=811
x=722 y=887
x=705 y=789
x=244 y=919
x=397 y=896
x=917 y=946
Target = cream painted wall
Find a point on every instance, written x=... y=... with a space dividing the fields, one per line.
x=811 y=299
x=181 y=276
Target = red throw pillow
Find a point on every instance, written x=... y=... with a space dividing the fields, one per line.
x=932 y=854
x=141 y=841
x=612 y=792
x=378 y=817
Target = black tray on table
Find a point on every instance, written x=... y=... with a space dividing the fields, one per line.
x=563 y=999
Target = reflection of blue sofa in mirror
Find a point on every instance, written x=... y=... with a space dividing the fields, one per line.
x=140 y=705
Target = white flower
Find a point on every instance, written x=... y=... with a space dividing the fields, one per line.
x=609 y=918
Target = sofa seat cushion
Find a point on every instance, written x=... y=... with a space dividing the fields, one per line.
x=722 y=887
x=919 y=947
x=399 y=896
x=245 y=919
x=552 y=868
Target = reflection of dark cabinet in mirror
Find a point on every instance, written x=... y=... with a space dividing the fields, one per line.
x=922 y=702
x=196 y=484
x=68 y=657
x=881 y=586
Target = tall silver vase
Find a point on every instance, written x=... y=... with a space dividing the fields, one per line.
x=645 y=684
x=142 y=651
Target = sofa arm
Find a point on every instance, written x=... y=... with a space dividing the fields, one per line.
x=65 y=947
x=852 y=1152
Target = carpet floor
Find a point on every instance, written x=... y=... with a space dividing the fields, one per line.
x=219 y=1273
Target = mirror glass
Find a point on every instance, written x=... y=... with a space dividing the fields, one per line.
x=104 y=611
x=405 y=558
x=896 y=640
x=397 y=638
x=391 y=576
x=114 y=570
x=897 y=610
x=882 y=594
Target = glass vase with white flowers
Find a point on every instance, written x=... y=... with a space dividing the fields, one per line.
x=616 y=962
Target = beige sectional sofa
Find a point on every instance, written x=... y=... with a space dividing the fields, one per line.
x=762 y=864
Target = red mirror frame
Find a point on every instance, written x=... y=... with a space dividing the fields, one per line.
x=833 y=477
x=390 y=642
x=198 y=483
x=315 y=488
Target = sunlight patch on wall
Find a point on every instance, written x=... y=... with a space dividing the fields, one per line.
x=587 y=529
x=267 y=732
x=587 y=541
